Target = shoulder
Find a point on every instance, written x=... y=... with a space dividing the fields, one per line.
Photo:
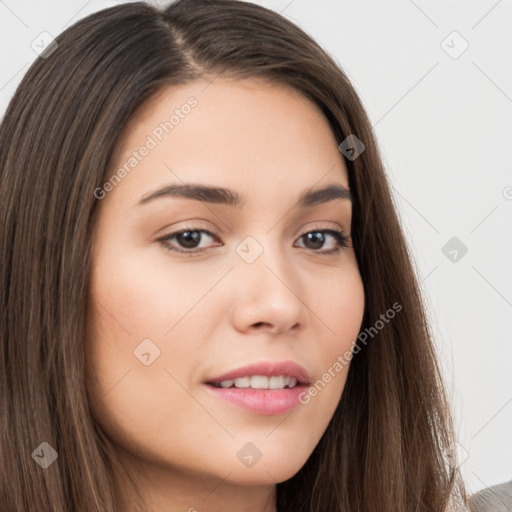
x=497 y=498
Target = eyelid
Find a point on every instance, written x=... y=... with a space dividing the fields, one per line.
x=186 y=225
x=321 y=225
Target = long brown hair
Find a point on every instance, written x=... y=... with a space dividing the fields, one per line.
x=389 y=445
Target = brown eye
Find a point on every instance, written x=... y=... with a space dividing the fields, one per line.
x=190 y=239
x=187 y=240
x=316 y=239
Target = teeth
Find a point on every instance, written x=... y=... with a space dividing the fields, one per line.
x=260 y=382
x=243 y=382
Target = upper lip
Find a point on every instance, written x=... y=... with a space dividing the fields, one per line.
x=268 y=369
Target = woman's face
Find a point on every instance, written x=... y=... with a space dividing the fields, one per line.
x=253 y=287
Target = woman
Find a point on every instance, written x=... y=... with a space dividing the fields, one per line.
x=208 y=301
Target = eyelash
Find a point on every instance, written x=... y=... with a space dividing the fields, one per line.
x=340 y=237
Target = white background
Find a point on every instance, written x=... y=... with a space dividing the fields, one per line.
x=444 y=128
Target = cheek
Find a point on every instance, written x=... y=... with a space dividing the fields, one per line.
x=140 y=304
x=133 y=304
x=144 y=296
x=338 y=304
x=339 y=309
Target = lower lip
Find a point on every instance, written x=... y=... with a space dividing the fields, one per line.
x=261 y=401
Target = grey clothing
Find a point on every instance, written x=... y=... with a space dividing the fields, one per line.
x=497 y=498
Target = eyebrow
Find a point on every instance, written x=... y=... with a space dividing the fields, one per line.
x=225 y=196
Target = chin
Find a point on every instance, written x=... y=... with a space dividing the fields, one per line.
x=267 y=474
x=273 y=467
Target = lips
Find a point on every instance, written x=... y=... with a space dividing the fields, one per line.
x=268 y=369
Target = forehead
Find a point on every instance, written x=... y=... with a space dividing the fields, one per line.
x=246 y=134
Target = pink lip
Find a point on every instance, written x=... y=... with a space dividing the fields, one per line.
x=268 y=369
x=263 y=401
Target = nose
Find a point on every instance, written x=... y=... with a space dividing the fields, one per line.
x=269 y=294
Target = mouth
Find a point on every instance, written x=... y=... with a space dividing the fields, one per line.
x=263 y=375
x=262 y=388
